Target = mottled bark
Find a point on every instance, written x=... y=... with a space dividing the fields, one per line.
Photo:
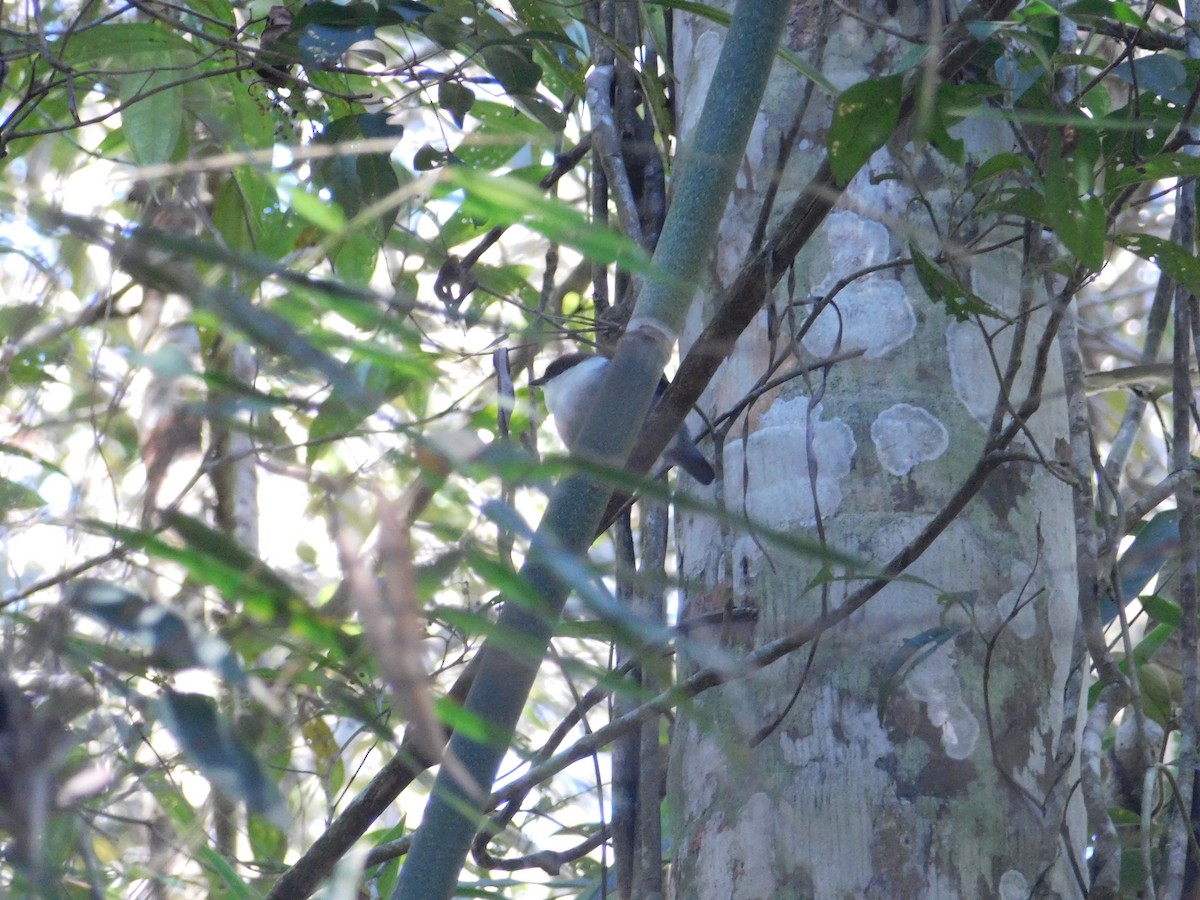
x=925 y=755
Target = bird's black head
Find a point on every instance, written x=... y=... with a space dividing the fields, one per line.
x=560 y=365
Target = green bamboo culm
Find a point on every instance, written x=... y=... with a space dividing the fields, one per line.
x=507 y=668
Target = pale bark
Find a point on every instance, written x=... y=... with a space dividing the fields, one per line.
x=951 y=775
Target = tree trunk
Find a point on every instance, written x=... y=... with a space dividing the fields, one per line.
x=931 y=750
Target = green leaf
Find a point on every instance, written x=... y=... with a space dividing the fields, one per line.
x=1025 y=203
x=267 y=840
x=501 y=133
x=429 y=157
x=250 y=218
x=208 y=740
x=1110 y=10
x=507 y=201
x=315 y=210
x=1000 y=164
x=1162 y=610
x=326 y=750
x=357 y=255
x=949 y=292
x=1036 y=9
x=28 y=368
x=444 y=29
x=116 y=41
x=1080 y=222
x=1161 y=690
x=219 y=560
x=1159 y=73
x=16 y=319
x=456 y=99
x=912 y=652
x=221 y=10
x=1168 y=165
x=1169 y=257
x=333 y=421
x=252 y=574
x=1156 y=541
x=1083 y=231
x=152 y=107
x=171 y=641
x=954 y=149
x=358 y=180
x=462 y=721
x=15 y=450
x=14 y=495
x=863 y=120
x=513 y=66
x=327 y=30
x=233 y=114
x=403 y=11
x=213 y=558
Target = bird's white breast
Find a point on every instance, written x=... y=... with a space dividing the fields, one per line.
x=570 y=394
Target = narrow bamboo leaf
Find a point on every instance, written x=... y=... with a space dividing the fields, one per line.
x=1155 y=542
x=23 y=453
x=462 y=721
x=508 y=201
x=172 y=642
x=237 y=887
x=213 y=559
x=209 y=741
x=225 y=548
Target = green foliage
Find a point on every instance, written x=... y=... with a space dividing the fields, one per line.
x=368 y=199
x=863 y=121
x=949 y=292
x=206 y=738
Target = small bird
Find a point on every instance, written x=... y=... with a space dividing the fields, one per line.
x=570 y=383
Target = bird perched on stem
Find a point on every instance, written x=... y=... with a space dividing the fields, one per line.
x=570 y=383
